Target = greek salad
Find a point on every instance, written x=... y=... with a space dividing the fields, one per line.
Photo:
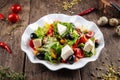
x=63 y=42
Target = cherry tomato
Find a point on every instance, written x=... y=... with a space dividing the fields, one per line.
x=78 y=31
x=13 y=18
x=78 y=52
x=31 y=44
x=83 y=39
x=16 y=8
x=76 y=44
x=63 y=61
x=50 y=31
x=2 y=17
x=89 y=34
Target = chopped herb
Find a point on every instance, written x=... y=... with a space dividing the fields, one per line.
x=7 y=74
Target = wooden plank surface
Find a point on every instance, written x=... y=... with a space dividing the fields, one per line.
x=89 y=72
x=32 y=10
x=40 y=8
x=15 y=60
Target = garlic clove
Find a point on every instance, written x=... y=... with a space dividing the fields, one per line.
x=113 y=22
x=102 y=21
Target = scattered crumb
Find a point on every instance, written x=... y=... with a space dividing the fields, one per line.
x=103 y=64
x=119 y=59
x=71 y=12
x=111 y=74
x=92 y=74
x=69 y=4
x=98 y=68
x=106 y=58
x=11 y=38
x=8 y=33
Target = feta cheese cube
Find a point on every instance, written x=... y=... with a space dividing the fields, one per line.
x=89 y=45
x=81 y=27
x=66 y=52
x=37 y=43
x=61 y=28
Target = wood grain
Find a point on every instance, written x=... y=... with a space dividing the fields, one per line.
x=89 y=72
x=32 y=10
x=15 y=60
x=38 y=71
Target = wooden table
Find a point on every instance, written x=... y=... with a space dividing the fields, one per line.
x=32 y=10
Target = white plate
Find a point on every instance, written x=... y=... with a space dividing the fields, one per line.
x=64 y=18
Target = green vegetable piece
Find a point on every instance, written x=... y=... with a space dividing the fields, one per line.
x=40 y=32
x=57 y=47
x=81 y=45
x=88 y=54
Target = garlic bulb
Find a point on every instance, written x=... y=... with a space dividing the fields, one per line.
x=118 y=30
x=102 y=21
x=113 y=22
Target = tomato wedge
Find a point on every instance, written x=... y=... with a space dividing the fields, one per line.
x=50 y=31
x=90 y=34
x=83 y=39
x=78 y=52
x=31 y=44
x=78 y=31
x=63 y=61
x=76 y=44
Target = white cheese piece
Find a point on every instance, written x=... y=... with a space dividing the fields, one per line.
x=89 y=45
x=61 y=28
x=66 y=52
x=93 y=50
x=37 y=43
x=81 y=27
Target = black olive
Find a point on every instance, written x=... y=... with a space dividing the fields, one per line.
x=96 y=44
x=69 y=36
x=33 y=36
x=71 y=59
x=40 y=55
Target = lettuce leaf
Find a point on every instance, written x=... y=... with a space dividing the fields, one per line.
x=41 y=31
x=75 y=36
x=94 y=49
x=57 y=47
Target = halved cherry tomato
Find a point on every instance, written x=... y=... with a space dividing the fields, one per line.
x=31 y=44
x=76 y=44
x=83 y=39
x=64 y=61
x=50 y=31
x=78 y=31
x=89 y=34
x=78 y=52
